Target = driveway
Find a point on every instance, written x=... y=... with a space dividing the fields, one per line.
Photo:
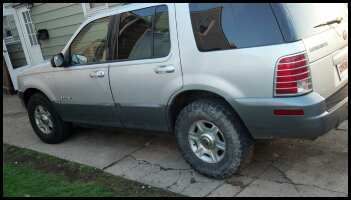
x=283 y=167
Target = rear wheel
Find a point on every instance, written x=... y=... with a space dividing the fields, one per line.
x=211 y=138
x=46 y=122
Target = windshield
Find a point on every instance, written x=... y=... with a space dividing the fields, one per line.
x=305 y=16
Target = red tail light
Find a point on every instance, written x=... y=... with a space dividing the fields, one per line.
x=292 y=76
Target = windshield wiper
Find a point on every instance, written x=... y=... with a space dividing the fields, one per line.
x=337 y=21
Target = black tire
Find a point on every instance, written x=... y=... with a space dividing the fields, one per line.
x=60 y=131
x=238 y=140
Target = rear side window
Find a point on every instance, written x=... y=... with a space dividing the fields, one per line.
x=161 y=32
x=144 y=34
x=135 y=34
x=221 y=26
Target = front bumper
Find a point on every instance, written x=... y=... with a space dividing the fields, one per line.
x=319 y=117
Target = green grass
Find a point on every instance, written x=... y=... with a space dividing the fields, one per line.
x=30 y=173
x=25 y=181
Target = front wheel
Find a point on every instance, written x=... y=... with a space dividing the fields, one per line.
x=46 y=122
x=211 y=138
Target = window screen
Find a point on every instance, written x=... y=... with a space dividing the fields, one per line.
x=220 y=26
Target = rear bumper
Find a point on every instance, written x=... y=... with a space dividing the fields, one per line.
x=318 y=118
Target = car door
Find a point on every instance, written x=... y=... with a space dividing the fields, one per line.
x=147 y=70
x=82 y=86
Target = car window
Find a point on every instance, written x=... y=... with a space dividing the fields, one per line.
x=220 y=26
x=135 y=34
x=89 y=46
x=142 y=34
x=161 y=32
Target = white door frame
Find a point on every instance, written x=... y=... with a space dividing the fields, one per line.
x=22 y=32
x=35 y=53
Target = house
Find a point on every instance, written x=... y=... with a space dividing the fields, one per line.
x=34 y=32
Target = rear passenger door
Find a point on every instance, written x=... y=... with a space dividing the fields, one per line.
x=147 y=70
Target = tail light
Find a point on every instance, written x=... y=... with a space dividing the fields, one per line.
x=292 y=76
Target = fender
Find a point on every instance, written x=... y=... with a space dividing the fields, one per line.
x=36 y=81
x=208 y=83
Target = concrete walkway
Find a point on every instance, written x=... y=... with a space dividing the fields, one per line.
x=279 y=168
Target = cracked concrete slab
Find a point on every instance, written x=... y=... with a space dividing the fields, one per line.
x=225 y=190
x=255 y=169
x=239 y=180
x=263 y=188
x=95 y=147
x=312 y=191
x=280 y=167
x=163 y=151
x=275 y=175
x=326 y=170
x=200 y=185
x=179 y=180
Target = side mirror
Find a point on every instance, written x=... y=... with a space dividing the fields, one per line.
x=57 y=60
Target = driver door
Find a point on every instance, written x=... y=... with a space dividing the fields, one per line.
x=82 y=86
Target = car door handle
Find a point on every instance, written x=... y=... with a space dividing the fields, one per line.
x=164 y=69
x=97 y=74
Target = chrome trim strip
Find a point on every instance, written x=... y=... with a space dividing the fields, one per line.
x=295 y=81
x=310 y=84
x=294 y=74
x=293 y=68
x=291 y=62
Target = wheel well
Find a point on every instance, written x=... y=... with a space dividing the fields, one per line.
x=185 y=98
x=28 y=93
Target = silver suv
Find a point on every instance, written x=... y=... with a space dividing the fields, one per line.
x=216 y=75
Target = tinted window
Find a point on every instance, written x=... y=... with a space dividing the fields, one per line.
x=89 y=46
x=161 y=32
x=219 y=26
x=135 y=34
x=142 y=34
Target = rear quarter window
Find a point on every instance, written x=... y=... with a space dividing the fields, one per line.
x=220 y=26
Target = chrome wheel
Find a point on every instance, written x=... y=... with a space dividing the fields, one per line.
x=207 y=141
x=43 y=119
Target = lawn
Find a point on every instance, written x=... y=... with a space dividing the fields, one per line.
x=25 y=181
x=29 y=173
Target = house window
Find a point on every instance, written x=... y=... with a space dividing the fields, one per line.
x=30 y=28
x=9 y=31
